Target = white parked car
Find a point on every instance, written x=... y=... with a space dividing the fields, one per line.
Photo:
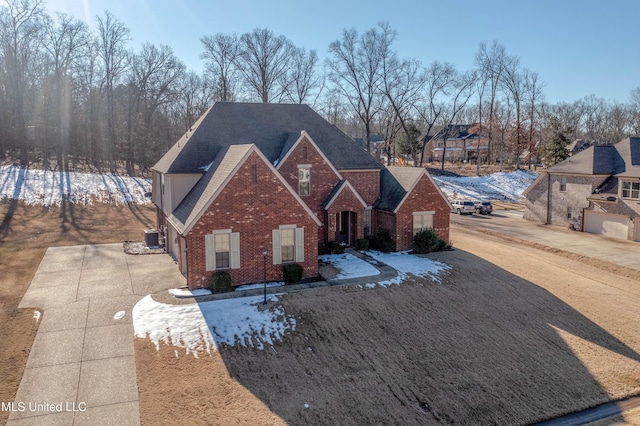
x=463 y=207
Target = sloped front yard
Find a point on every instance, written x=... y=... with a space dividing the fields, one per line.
x=527 y=338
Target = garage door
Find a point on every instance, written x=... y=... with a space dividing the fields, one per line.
x=611 y=225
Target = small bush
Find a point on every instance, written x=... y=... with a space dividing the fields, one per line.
x=384 y=242
x=292 y=273
x=333 y=247
x=220 y=282
x=427 y=241
x=362 y=244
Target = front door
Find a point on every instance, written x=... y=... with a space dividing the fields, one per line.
x=346 y=228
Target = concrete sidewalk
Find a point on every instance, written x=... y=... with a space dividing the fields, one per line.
x=611 y=250
x=81 y=369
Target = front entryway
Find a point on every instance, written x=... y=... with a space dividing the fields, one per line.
x=346 y=227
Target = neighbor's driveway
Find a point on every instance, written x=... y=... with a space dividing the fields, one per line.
x=511 y=223
x=83 y=356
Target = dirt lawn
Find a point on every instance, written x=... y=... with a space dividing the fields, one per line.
x=512 y=335
x=25 y=234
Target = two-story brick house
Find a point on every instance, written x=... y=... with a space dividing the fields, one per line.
x=253 y=186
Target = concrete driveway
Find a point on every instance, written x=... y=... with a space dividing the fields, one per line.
x=81 y=369
x=511 y=223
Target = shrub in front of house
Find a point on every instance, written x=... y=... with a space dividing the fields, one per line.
x=221 y=282
x=332 y=247
x=427 y=241
x=362 y=244
x=383 y=241
x=292 y=273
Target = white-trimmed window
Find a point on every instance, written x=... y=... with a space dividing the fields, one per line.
x=288 y=244
x=631 y=190
x=563 y=184
x=422 y=220
x=222 y=250
x=569 y=213
x=304 y=179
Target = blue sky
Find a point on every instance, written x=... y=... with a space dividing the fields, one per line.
x=578 y=48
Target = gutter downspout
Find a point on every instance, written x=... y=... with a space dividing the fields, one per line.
x=548 y=198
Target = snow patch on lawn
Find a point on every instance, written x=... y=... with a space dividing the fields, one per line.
x=46 y=187
x=349 y=265
x=204 y=326
x=497 y=186
x=406 y=263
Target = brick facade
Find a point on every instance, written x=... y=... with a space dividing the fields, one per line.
x=424 y=197
x=345 y=201
x=323 y=178
x=253 y=210
x=366 y=182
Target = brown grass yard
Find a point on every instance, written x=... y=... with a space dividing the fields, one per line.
x=513 y=335
x=25 y=234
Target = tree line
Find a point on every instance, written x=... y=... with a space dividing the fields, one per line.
x=70 y=95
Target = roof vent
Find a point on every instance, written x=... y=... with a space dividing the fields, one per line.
x=611 y=198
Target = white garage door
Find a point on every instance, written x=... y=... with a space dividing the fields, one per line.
x=611 y=225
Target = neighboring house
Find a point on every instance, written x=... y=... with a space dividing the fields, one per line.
x=376 y=143
x=596 y=190
x=251 y=187
x=457 y=142
x=577 y=146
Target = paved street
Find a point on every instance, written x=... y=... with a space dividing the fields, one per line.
x=510 y=223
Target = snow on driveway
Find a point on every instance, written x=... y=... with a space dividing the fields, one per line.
x=45 y=187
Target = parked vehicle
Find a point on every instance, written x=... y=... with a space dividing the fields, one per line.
x=483 y=207
x=462 y=207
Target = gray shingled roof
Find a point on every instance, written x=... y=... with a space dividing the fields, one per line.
x=595 y=160
x=223 y=166
x=395 y=182
x=621 y=159
x=271 y=127
x=629 y=150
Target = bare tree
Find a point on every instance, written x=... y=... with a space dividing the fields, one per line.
x=154 y=75
x=67 y=42
x=354 y=69
x=533 y=95
x=513 y=82
x=503 y=114
x=401 y=82
x=221 y=51
x=20 y=35
x=194 y=97
x=110 y=47
x=264 y=60
x=303 y=84
x=491 y=63
x=440 y=78
x=462 y=91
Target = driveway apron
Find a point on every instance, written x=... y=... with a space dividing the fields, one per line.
x=81 y=369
